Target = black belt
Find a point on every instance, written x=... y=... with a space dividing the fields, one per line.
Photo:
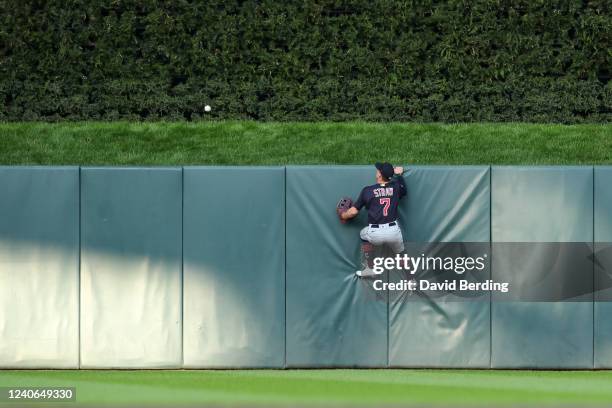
x=391 y=224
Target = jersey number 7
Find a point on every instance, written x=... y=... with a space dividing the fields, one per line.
x=386 y=202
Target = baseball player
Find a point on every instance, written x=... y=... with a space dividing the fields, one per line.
x=381 y=200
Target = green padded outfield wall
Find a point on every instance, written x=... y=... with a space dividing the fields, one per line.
x=333 y=318
x=532 y=209
x=131 y=276
x=444 y=204
x=603 y=267
x=234 y=267
x=249 y=267
x=39 y=267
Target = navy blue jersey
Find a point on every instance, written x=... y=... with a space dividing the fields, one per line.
x=382 y=200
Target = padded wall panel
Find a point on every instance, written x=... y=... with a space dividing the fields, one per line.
x=234 y=267
x=444 y=204
x=131 y=267
x=540 y=205
x=603 y=267
x=333 y=317
x=39 y=267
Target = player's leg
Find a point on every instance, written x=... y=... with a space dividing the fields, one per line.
x=367 y=251
x=395 y=239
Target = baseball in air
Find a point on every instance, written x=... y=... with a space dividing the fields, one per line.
x=207 y=108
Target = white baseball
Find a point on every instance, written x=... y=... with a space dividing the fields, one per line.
x=207 y=108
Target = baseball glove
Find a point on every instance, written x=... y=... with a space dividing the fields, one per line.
x=343 y=205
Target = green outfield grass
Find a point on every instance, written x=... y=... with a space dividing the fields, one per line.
x=250 y=143
x=253 y=143
x=326 y=387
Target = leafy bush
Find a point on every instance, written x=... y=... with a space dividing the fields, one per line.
x=379 y=60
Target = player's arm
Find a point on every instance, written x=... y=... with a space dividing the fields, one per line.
x=353 y=211
x=399 y=171
x=350 y=213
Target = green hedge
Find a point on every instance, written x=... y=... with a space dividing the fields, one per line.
x=481 y=60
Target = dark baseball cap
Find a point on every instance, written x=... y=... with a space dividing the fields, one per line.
x=386 y=169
